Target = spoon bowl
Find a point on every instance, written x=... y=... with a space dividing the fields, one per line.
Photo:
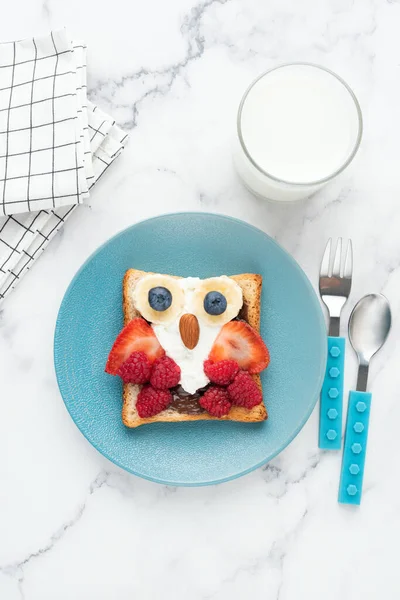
x=369 y=326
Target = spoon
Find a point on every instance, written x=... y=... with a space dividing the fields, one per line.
x=369 y=327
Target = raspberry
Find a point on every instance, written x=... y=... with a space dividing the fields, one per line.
x=215 y=401
x=165 y=373
x=221 y=372
x=136 y=369
x=150 y=401
x=243 y=391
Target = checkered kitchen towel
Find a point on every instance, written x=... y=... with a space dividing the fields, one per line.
x=54 y=146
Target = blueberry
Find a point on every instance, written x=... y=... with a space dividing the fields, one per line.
x=160 y=298
x=215 y=303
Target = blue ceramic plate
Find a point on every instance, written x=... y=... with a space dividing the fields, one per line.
x=200 y=453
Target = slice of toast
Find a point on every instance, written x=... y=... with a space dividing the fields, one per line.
x=251 y=287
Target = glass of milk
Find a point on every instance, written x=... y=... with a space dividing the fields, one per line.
x=298 y=127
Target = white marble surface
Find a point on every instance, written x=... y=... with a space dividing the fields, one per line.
x=72 y=525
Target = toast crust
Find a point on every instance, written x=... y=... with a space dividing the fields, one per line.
x=251 y=285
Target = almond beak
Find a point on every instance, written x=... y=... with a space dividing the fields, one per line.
x=189 y=330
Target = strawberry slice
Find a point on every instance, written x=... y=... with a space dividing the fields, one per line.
x=238 y=341
x=137 y=336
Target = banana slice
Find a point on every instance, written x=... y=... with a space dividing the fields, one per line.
x=158 y=298
x=217 y=300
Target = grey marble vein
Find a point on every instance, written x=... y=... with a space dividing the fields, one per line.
x=16 y=569
x=191 y=30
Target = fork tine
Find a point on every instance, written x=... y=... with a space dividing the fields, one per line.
x=348 y=265
x=324 y=270
x=338 y=259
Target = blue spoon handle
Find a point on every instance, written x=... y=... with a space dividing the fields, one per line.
x=331 y=405
x=355 y=448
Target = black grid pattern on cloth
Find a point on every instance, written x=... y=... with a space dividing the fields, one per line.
x=8 y=128
x=82 y=155
x=41 y=141
x=22 y=62
x=24 y=237
x=80 y=56
x=31 y=124
x=91 y=144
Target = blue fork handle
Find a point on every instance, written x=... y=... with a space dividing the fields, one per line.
x=355 y=448
x=331 y=404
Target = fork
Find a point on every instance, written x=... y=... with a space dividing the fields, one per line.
x=334 y=288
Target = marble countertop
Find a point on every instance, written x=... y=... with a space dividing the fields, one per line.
x=74 y=526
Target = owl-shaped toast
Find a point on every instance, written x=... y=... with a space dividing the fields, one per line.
x=190 y=349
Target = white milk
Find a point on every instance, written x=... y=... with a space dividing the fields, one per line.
x=298 y=127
